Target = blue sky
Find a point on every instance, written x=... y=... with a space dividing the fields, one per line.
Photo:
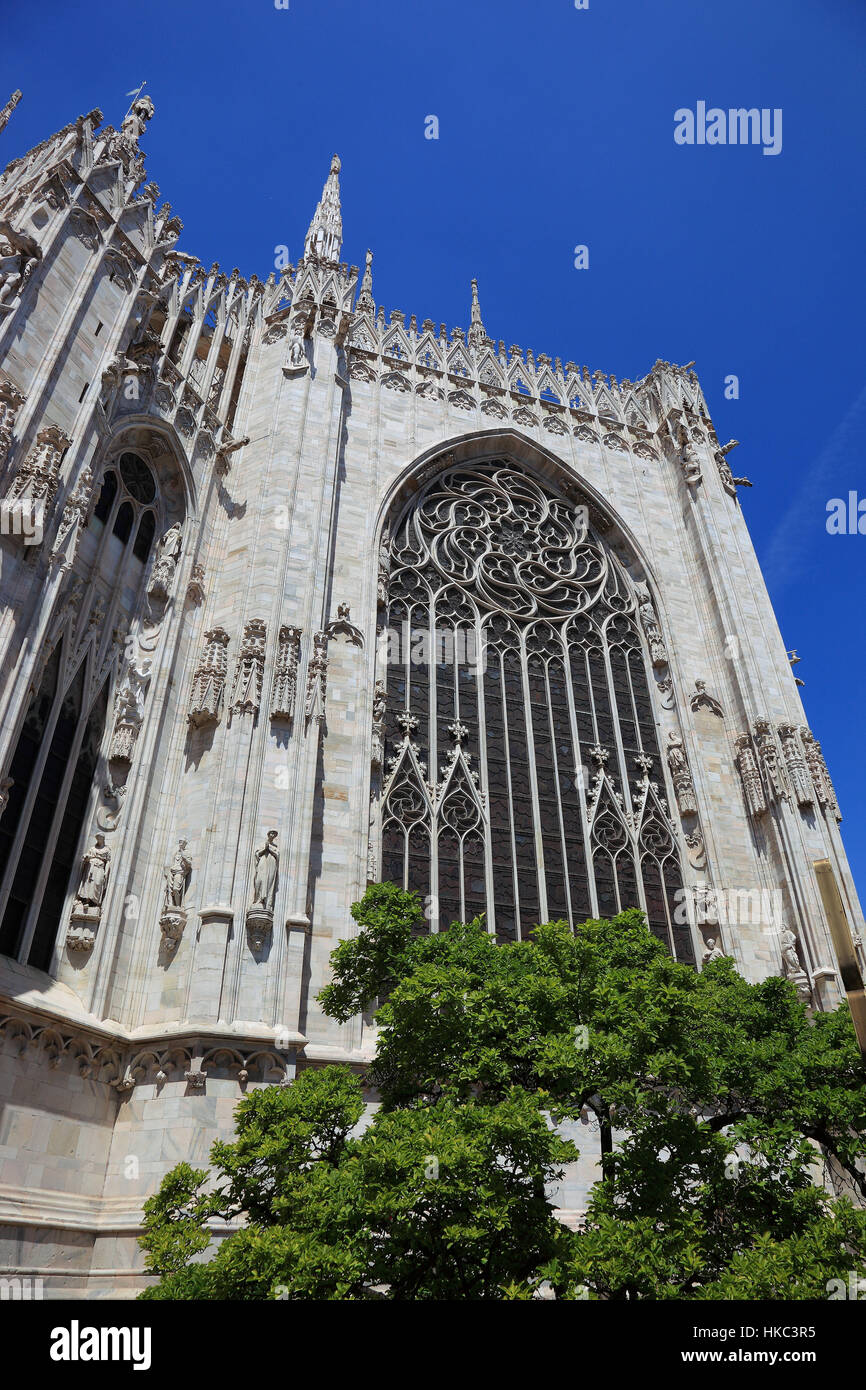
x=555 y=129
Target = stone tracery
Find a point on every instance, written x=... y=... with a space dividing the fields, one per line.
x=520 y=676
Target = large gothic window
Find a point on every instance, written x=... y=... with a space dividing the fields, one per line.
x=55 y=759
x=522 y=770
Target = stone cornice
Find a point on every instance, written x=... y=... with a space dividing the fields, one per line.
x=123 y=1058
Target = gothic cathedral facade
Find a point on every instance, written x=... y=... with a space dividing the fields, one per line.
x=297 y=595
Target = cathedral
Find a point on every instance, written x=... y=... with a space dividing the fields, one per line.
x=296 y=595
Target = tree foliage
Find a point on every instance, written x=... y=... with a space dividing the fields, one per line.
x=731 y=1128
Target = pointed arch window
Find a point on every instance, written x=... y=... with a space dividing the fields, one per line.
x=54 y=765
x=522 y=773
x=125 y=509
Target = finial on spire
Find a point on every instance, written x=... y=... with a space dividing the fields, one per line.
x=477 y=333
x=8 y=109
x=366 y=304
x=325 y=235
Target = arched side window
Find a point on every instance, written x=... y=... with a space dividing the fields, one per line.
x=56 y=755
x=522 y=773
x=124 y=509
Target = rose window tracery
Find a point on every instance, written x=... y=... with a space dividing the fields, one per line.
x=517 y=675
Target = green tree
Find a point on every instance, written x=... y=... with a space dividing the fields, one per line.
x=439 y=1201
x=720 y=1108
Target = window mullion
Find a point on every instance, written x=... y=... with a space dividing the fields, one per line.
x=538 y=837
x=47 y=860
x=480 y=663
x=33 y=788
x=551 y=724
x=578 y=767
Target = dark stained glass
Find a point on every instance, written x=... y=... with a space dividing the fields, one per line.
x=538 y=764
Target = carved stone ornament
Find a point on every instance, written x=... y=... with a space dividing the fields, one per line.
x=702 y=699
x=38 y=476
x=824 y=792
x=260 y=914
x=92 y=885
x=185 y=421
x=795 y=764
x=208 y=685
x=195 y=588
x=747 y=766
x=384 y=569
x=681 y=776
x=649 y=622
x=380 y=700
x=792 y=968
x=729 y=482
x=196 y=1077
x=19 y=257
x=80 y=939
x=768 y=755
x=688 y=458
x=171 y=925
x=317 y=678
x=696 y=849
x=165 y=565
x=247 y=693
x=129 y=712
x=297 y=355
x=11 y=401
x=284 y=692
x=72 y=521
x=173 y=918
x=341 y=626
x=85 y=227
x=712 y=951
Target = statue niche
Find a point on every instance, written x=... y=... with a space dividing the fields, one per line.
x=165 y=564
x=260 y=915
x=90 y=895
x=173 y=918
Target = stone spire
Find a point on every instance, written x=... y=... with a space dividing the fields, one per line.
x=366 y=303
x=477 y=332
x=325 y=236
x=8 y=109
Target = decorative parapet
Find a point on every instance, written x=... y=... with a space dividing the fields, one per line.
x=431 y=364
